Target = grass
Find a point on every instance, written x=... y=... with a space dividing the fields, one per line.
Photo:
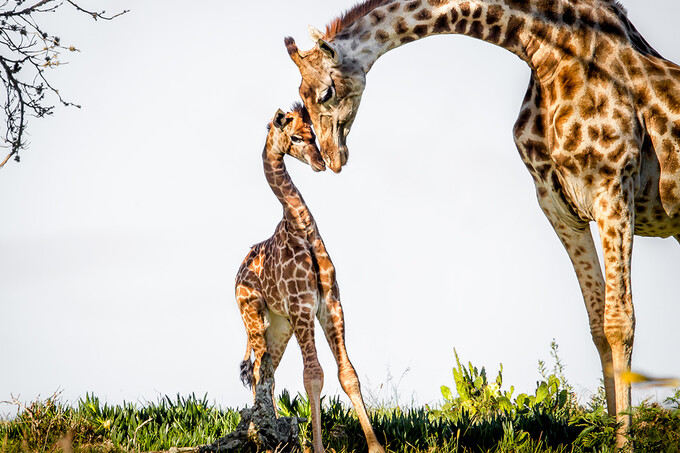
x=481 y=417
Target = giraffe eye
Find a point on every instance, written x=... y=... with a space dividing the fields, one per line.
x=327 y=95
x=296 y=139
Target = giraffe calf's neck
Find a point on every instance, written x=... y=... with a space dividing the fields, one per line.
x=288 y=280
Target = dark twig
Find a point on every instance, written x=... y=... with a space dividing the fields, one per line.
x=96 y=16
x=26 y=52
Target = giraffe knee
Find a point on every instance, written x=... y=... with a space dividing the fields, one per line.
x=313 y=377
x=349 y=380
x=599 y=337
x=620 y=330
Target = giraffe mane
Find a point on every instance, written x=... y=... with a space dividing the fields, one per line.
x=348 y=17
x=635 y=37
x=299 y=107
x=618 y=5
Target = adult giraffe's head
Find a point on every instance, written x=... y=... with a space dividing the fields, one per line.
x=331 y=89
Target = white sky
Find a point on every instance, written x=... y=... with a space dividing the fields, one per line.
x=124 y=224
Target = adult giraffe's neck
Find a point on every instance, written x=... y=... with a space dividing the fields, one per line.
x=528 y=28
x=294 y=207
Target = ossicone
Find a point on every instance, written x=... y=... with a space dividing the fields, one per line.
x=292 y=49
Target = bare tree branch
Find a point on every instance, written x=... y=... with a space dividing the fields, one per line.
x=94 y=15
x=26 y=52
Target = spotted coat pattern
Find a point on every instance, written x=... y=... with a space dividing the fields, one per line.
x=287 y=280
x=599 y=128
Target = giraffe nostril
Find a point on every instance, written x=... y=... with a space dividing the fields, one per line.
x=344 y=154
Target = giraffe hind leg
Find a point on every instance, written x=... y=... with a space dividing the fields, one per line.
x=331 y=319
x=252 y=307
x=303 y=327
x=247 y=368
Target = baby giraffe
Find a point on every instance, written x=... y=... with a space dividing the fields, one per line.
x=287 y=280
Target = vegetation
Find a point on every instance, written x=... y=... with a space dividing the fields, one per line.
x=481 y=417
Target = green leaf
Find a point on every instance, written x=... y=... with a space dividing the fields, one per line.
x=446 y=393
x=542 y=392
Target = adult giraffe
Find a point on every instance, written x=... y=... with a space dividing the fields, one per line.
x=599 y=128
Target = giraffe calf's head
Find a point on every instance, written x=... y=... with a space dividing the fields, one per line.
x=331 y=89
x=293 y=135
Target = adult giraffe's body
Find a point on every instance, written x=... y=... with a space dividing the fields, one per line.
x=599 y=128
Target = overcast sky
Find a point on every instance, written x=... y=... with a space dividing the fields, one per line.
x=125 y=222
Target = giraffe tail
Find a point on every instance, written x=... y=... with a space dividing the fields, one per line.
x=247 y=369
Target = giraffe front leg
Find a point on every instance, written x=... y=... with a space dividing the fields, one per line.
x=616 y=223
x=331 y=319
x=302 y=322
x=579 y=244
x=277 y=335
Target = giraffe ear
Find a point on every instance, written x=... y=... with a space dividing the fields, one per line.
x=280 y=120
x=314 y=33
x=330 y=51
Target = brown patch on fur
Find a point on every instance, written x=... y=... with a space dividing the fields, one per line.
x=420 y=30
x=515 y=25
x=476 y=29
x=401 y=26
x=522 y=120
x=519 y=5
x=538 y=127
x=477 y=13
x=437 y=2
x=423 y=14
x=570 y=82
x=494 y=14
x=585 y=158
x=591 y=104
x=541 y=30
x=603 y=50
x=658 y=120
x=377 y=17
x=667 y=187
x=454 y=15
x=574 y=137
x=669 y=157
x=461 y=26
x=441 y=25
x=667 y=91
x=568 y=14
x=561 y=119
x=608 y=136
x=617 y=154
x=412 y=6
x=494 y=34
x=350 y=16
x=382 y=36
